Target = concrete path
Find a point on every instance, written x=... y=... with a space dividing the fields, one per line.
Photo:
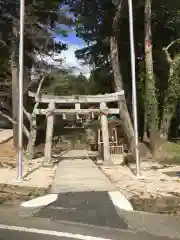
x=78 y=173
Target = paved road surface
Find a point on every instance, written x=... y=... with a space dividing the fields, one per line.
x=81 y=212
x=93 y=208
x=38 y=234
x=8 y=235
x=20 y=224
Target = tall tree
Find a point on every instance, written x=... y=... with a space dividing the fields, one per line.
x=41 y=20
x=118 y=82
x=98 y=23
x=172 y=93
x=151 y=104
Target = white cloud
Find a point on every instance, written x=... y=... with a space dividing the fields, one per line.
x=69 y=61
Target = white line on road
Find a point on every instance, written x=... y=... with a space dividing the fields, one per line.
x=120 y=201
x=40 y=201
x=51 y=233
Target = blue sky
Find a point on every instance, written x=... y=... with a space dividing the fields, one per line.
x=72 y=39
x=69 y=59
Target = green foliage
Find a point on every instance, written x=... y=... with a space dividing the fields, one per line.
x=43 y=21
x=62 y=82
x=173 y=90
x=141 y=82
x=152 y=105
x=100 y=81
x=174 y=80
x=94 y=23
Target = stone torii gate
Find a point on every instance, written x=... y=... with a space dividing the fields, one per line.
x=52 y=100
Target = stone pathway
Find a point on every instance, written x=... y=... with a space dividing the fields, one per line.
x=76 y=172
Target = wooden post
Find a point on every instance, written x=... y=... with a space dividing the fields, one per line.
x=77 y=107
x=49 y=136
x=105 y=135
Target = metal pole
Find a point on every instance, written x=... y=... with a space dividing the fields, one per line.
x=134 y=97
x=20 y=97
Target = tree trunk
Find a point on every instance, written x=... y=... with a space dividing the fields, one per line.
x=123 y=110
x=33 y=123
x=151 y=104
x=165 y=123
x=32 y=137
x=172 y=96
x=145 y=130
x=15 y=92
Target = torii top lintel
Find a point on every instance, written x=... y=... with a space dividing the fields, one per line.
x=109 y=97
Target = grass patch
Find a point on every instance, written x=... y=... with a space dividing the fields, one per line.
x=173 y=148
x=169 y=153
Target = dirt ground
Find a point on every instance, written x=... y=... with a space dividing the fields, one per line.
x=8 y=155
x=7 y=150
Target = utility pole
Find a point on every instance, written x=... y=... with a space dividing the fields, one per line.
x=134 y=97
x=20 y=97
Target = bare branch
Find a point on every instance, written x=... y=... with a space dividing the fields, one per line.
x=165 y=49
x=168 y=56
x=14 y=122
x=25 y=130
x=8 y=117
x=28 y=115
x=175 y=41
x=40 y=85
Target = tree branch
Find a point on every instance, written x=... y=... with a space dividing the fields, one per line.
x=165 y=49
x=28 y=115
x=117 y=17
x=8 y=117
x=175 y=41
x=40 y=85
x=38 y=92
x=26 y=132
x=14 y=122
x=168 y=56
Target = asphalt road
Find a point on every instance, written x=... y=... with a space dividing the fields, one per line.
x=92 y=208
x=23 y=234
x=72 y=216
x=10 y=234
